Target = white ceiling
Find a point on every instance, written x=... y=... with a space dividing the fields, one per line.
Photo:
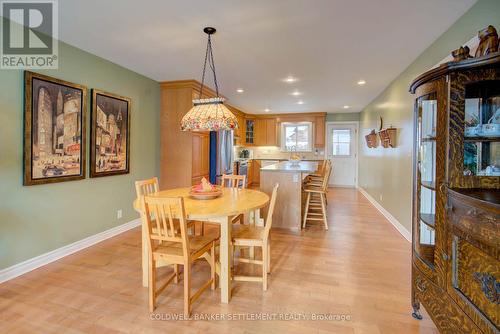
x=328 y=44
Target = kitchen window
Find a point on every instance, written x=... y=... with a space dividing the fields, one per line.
x=296 y=137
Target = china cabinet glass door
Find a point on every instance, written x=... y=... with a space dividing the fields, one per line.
x=426 y=178
x=482 y=129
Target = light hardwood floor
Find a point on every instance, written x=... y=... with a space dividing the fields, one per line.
x=360 y=267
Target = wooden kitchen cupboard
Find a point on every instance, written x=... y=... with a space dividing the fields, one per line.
x=250 y=173
x=200 y=156
x=256 y=172
x=456 y=208
x=260 y=137
x=319 y=131
x=265 y=132
x=183 y=154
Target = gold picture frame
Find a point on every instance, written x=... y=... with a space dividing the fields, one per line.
x=54 y=130
x=110 y=132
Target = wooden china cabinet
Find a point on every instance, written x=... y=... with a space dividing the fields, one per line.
x=456 y=206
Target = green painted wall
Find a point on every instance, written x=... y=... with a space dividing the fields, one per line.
x=386 y=174
x=343 y=117
x=38 y=219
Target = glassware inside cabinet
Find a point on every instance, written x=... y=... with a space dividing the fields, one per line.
x=482 y=129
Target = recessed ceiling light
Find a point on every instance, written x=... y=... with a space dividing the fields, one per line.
x=300 y=102
x=240 y=90
x=290 y=79
x=267 y=110
x=346 y=107
x=296 y=93
x=361 y=82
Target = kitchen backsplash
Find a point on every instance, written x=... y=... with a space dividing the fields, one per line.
x=272 y=152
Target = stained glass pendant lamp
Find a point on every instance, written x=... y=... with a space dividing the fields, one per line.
x=209 y=114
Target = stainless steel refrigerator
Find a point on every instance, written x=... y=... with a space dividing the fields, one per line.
x=224 y=154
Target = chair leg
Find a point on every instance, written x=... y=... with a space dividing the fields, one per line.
x=202 y=228
x=323 y=208
x=187 y=289
x=176 y=271
x=306 y=210
x=212 y=266
x=264 y=267
x=152 y=284
x=268 y=256
x=252 y=252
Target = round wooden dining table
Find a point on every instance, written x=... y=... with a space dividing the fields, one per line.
x=220 y=210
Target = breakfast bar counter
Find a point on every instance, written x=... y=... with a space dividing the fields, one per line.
x=288 y=210
x=305 y=167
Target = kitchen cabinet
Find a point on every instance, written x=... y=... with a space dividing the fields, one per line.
x=250 y=174
x=249 y=131
x=260 y=137
x=200 y=156
x=319 y=131
x=256 y=172
x=239 y=134
x=271 y=132
x=265 y=133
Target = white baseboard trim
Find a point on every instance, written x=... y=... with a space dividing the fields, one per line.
x=41 y=260
x=401 y=229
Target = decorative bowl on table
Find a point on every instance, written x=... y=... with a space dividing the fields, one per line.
x=205 y=191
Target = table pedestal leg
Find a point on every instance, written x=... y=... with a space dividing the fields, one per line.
x=225 y=259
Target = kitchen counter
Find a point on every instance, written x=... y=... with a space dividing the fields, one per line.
x=288 y=167
x=288 y=210
x=282 y=159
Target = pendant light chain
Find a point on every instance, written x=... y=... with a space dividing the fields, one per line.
x=209 y=56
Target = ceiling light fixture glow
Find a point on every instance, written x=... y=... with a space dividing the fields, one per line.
x=290 y=79
x=300 y=102
x=240 y=90
x=361 y=82
x=296 y=93
x=267 y=110
x=346 y=107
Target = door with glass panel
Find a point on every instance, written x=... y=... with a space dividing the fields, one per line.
x=342 y=151
x=428 y=225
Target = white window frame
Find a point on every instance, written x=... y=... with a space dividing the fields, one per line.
x=309 y=137
x=350 y=146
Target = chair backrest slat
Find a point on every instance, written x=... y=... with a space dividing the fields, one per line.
x=234 y=181
x=272 y=203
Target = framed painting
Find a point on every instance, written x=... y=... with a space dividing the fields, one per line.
x=54 y=130
x=110 y=134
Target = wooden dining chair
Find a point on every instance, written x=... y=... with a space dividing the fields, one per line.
x=172 y=245
x=144 y=188
x=316 y=179
x=235 y=181
x=318 y=202
x=256 y=236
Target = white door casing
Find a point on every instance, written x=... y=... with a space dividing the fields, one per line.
x=342 y=150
